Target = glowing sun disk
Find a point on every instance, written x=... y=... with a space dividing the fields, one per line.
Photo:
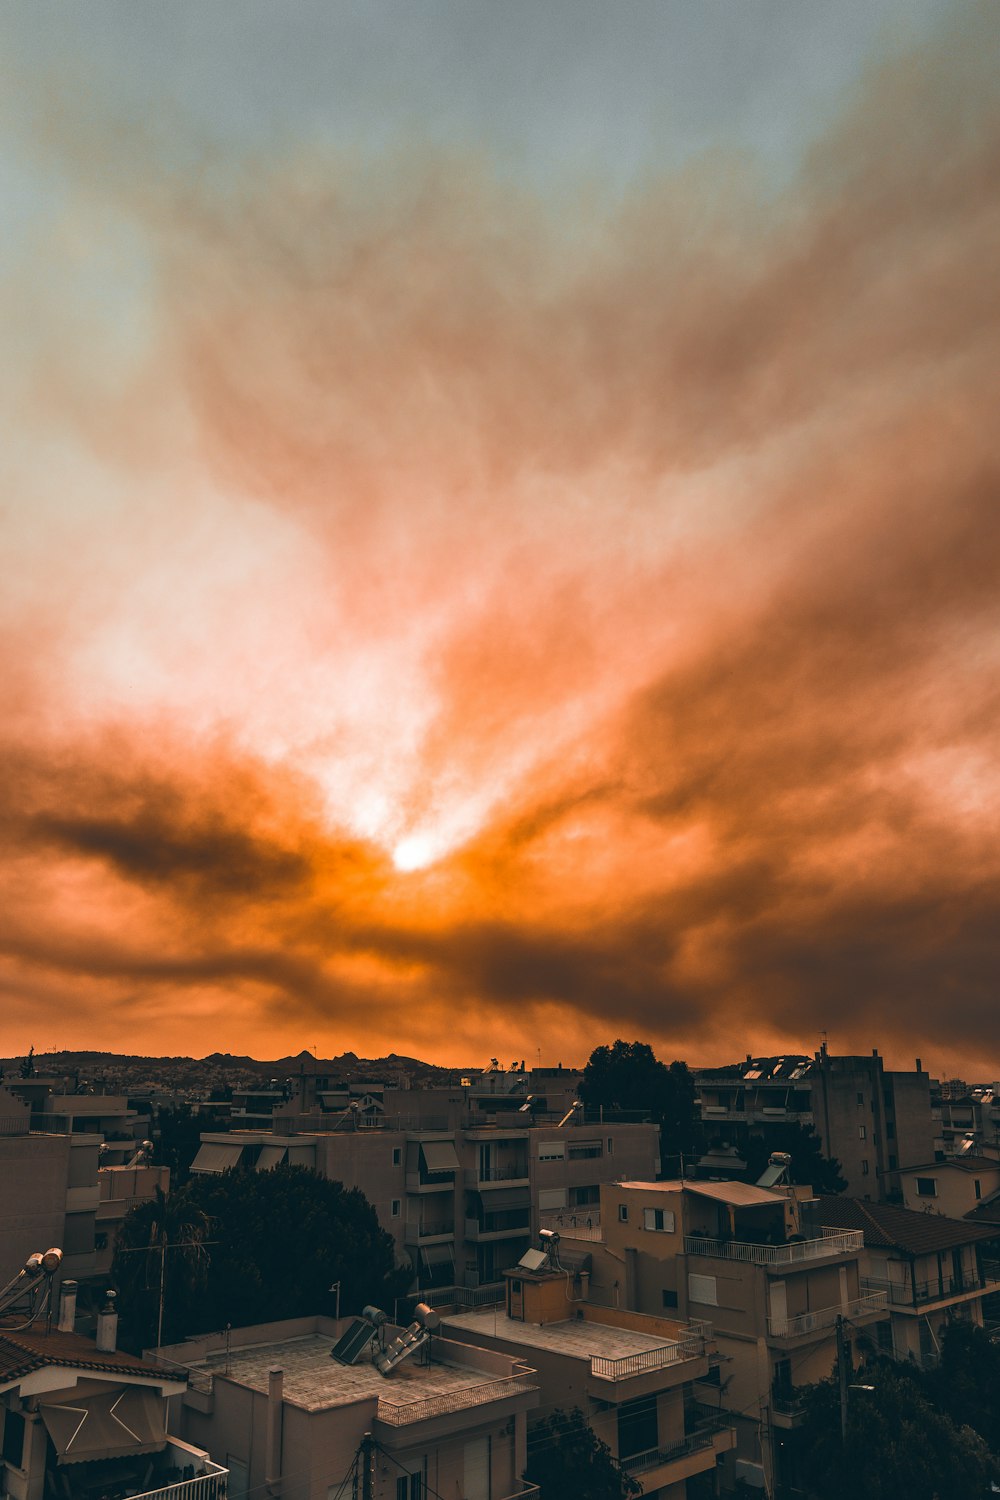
x=414 y=852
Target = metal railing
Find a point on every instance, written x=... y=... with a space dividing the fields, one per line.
x=573 y=1226
x=516 y=1173
x=905 y=1294
x=825 y=1317
x=648 y=1359
x=529 y=1492
x=403 y=1413
x=652 y=1458
x=208 y=1486
x=833 y=1242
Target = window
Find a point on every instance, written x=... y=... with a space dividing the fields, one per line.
x=623 y=1213
x=395 y=1208
x=862 y=1132
x=660 y=1219
x=864 y=1169
x=669 y=1297
x=703 y=1289
x=13 y=1438
x=397 y=1156
x=410 y=1487
x=978 y=1187
x=611 y=1145
x=861 y=1101
x=585 y=1150
x=890 y=1130
x=893 y=1162
x=551 y=1150
x=926 y=1187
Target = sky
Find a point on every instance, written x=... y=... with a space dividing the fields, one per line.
x=501 y=529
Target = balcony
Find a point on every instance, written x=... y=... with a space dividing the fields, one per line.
x=825 y=1317
x=833 y=1242
x=429 y=1233
x=430 y=1182
x=570 y=1225
x=629 y=1365
x=788 y=1407
x=528 y=1492
x=514 y=1174
x=208 y=1486
x=656 y=1467
x=498 y=1227
x=940 y=1289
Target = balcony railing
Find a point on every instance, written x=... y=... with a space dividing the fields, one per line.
x=905 y=1294
x=208 y=1486
x=529 y=1492
x=403 y=1413
x=825 y=1317
x=648 y=1359
x=578 y=1225
x=702 y=1437
x=834 y=1242
x=517 y=1172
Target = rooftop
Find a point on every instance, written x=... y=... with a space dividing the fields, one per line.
x=25 y=1350
x=738 y=1194
x=577 y=1338
x=901 y=1228
x=316 y=1382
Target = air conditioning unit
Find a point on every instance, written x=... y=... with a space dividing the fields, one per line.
x=808 y=1322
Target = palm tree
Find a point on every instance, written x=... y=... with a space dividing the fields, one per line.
x=161 y=1260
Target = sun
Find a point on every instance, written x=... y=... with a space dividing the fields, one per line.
x=414 y=853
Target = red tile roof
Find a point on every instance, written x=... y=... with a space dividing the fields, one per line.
x=901 y=1228
x=24 y=1350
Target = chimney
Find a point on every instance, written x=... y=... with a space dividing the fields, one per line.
x=67 y=1307
x=107 y=1325
x=919 y=1067
x=272 y=1449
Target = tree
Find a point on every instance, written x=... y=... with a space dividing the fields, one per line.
x=898 y=1447
x=160 y=1266
x=628 y=1076
x=276 y=1242
x=965 y=1384
x=809 y=1165
x=567 y=1458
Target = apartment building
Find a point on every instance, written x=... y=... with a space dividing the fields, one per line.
x=931 y=1268
x=58 y=1111
x=286 y=1418
x=954 y=1187
x=758 y=1266
x=120 y=1190
x=82 y=1420
x=871 y=1119
x=462 y=1201
x=631 y=1375
x=51 y=1191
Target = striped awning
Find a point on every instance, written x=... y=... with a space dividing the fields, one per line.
x=216 y=1158
x=113 y=1425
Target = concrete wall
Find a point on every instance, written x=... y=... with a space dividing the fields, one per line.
x=34 y=1171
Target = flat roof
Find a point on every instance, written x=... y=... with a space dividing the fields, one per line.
x=575 y=1337
x=315 y=1382
x=738 y=1194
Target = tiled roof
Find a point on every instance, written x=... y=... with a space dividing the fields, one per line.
x=900 y=1228
x=963 y=1163
x=24 y=1350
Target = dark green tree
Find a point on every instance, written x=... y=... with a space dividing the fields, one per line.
x=160 y=1268
x=276 y=1242
x=965 y=1384
x=809 y=1166
x=177 y=1137
x=567 y=1458
x=628 y=1076
x=899 y=1446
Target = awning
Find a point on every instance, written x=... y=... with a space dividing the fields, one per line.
x=270 y=1156
x=216 y=1158
x=502 y=1199
x=436 y=1255
x=116 y=1425
x=439 y=1156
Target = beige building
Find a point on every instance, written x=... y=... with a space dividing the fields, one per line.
x=462 y=1203
x=870 y=1118
x=79 y=1420
x=51 y=1192
x=122 y=1189
x=954 y=1187
x=932 y=1269
x=288 y=1419
x=632 y=1376
x=757 y=1265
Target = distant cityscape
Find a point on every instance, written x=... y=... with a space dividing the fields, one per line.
x=674 y=1260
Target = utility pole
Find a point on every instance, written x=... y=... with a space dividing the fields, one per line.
x=843 y=1375
x=367 y=1466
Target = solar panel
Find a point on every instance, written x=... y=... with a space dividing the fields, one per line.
x=770 y=1176
x=533 y=1260
x=350 y=1344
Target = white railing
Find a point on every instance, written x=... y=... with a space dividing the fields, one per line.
x=529 y=1492
x=648 y=1359
x=402 y=1413
x=834 y=1242
x=208 y=1486
x=825 y=1317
